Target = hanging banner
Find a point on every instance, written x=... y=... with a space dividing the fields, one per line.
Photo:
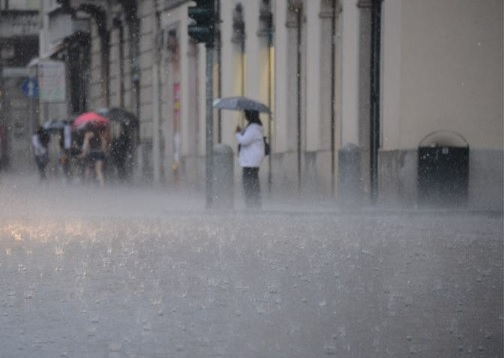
x=52 y=81
x=176 y=101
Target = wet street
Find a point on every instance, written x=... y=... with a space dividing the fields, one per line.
x=139 y=272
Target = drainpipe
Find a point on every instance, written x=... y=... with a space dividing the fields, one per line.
x=156 y=148
x=130 y=8
x=267 y=30
x=238 y=39
x=299 y=18
x=243 y=64
x=134 y=36
x=333 y=95
x=270 y=103
x=2 y=89
x=375 y=95
x=218 y=53
x=118 y=24
x=105 y=53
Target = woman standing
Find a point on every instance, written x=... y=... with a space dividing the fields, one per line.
x=250 y=155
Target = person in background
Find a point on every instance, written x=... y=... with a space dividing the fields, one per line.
x=250 y=155
x=94 y=150
x=40 y=141
x=120 y=151
x=65 y=143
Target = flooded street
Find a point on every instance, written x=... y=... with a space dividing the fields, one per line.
x=137 y=272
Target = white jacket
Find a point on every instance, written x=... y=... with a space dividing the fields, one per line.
x=251 y=146
x=38 y=148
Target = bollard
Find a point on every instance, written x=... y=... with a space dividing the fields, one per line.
x=223 y=185
x=349 y=183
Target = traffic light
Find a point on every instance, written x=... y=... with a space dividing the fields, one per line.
x=202 y=28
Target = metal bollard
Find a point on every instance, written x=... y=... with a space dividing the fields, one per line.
x=223 y=185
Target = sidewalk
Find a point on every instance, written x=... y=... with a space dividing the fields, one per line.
x=135 y=199
x=26 y=195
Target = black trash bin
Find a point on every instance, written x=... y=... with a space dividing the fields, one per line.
x=443 y=170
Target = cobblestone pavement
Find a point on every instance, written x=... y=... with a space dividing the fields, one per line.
x=136 y=272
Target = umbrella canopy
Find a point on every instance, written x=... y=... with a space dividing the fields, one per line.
x=241 y=104
x=55 y=125
x=116 y=114
x=90 y=118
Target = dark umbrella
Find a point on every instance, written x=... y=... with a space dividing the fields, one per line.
x=116 y=114
x=90 y=118
x=241 y=104
x=55 y=125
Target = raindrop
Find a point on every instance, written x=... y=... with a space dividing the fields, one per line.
x=330 y=350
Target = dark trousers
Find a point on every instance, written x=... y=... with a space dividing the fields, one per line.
x=251 y=188
x=41 y=165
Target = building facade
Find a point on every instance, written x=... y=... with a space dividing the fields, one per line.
x=19 y=28
x=357 y=88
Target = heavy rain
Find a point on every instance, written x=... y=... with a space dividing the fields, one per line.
x=134 y=222
x=145 y=273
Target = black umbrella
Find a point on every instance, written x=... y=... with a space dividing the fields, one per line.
x=116 y=114
x=55 y=125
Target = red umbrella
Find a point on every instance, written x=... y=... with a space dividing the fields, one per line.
x=91 y=118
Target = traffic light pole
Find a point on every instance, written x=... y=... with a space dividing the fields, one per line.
x=209 y=126
x=202 y=30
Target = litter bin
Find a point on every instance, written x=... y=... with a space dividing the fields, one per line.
x=223 y=185
x=443 y=169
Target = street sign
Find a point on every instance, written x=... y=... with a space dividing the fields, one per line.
x=52 y=81
x=30 y=88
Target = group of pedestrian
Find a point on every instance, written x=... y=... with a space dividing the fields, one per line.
x=84 y=153
x=96 y=148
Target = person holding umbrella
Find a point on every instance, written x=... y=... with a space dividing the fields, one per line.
x=250 y=155
x=95 y=145
x=251 y=144
x=94 y=149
